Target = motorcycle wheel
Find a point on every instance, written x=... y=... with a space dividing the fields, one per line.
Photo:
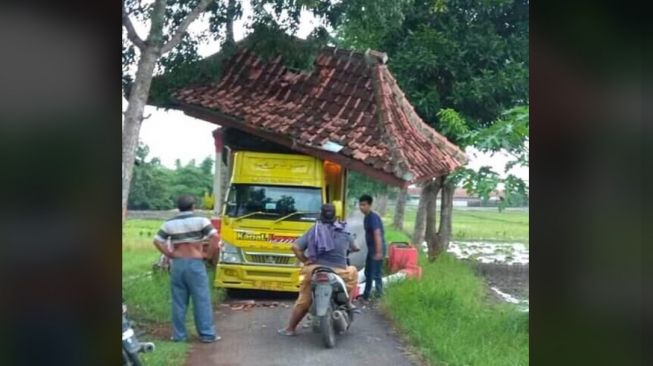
x=131 y=359
x=326 y=328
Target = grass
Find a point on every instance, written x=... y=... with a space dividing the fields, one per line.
x=445 y=315
x=485 y=225
x=166 y=353
x=392 y=235
x=147 y=293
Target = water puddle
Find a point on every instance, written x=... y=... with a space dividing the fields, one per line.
x=507 y=260
x=522 y=305
x=488 y=252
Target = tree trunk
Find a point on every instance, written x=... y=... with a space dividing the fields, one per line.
x=134 y=118
x=382 y=204
x=430 y=194
x=231 y=9
x=446 y=209
x=420 y=221
x=400 y=208
x=151 y=49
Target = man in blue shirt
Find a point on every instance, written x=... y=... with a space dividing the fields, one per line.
x=374 y=237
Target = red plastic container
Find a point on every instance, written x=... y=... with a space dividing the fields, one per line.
x=217 y=223
x=402 y=255
x=413 y=272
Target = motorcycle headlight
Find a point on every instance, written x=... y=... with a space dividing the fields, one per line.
x=230 y=253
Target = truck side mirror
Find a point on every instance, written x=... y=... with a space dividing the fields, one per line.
x=338 y=206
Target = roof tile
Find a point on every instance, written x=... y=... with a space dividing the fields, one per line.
x=338 y=101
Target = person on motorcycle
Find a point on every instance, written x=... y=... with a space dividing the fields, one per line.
x=325 y=244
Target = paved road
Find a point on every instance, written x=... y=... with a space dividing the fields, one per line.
x=249 y=338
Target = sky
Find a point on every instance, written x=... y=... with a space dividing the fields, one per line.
x=171 y=135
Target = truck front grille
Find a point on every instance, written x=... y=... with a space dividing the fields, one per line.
x=280 y=260
x=269 y=274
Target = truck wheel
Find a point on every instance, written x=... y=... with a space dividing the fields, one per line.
x=233 y=293
x=326 y=328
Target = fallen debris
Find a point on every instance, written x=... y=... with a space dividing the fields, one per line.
x=246 y=302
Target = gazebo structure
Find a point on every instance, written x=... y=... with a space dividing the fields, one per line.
x=348 y=109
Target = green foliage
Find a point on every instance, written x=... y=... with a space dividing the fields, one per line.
x=200 y=72
x=468 y=55
x=508 y=133
x=269 y=40
x=155 y=187
x=167 y=353
x=359 y=184
x=481 y=182
x=270 y=35
x=469 y=330
x=454 y=126
x=484 y=181
x=365 y=23
x=515 y=192
x=392 y=235
x=208 y=201
x=149 y=189
x=463 y=64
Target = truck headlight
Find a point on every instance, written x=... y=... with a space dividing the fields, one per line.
x=230 y=253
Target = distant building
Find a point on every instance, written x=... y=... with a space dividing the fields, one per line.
x=460 y=198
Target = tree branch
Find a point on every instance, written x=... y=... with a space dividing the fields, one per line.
x=131 y=32
x=183 y=26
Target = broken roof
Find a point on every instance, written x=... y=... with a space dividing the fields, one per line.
x=348 y=109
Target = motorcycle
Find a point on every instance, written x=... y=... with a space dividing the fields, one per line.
x=330 y=311
x=131 y=346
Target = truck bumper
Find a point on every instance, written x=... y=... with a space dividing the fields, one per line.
x=253 y=277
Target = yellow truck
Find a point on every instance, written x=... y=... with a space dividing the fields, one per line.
x=272 y=199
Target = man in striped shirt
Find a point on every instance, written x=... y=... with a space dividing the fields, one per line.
x=188 y=277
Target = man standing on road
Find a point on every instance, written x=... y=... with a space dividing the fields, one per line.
x=374 y=237
x=326 y=244
x=188 y=278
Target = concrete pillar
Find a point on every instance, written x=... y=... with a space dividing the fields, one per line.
x=217 y=176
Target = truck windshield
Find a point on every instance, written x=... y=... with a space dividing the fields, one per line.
x=274 y=202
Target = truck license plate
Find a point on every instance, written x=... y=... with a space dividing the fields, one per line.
x=268 y=285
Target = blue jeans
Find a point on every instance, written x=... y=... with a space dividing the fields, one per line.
x=373 y=273
x=188 y=279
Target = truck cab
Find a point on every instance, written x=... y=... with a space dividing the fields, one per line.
x=271 y=201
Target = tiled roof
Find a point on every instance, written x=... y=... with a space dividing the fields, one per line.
x=349 y=98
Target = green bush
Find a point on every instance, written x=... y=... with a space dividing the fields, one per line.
x=208 y=201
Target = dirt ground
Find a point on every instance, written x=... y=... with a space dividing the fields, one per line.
x=511 y=279
x=250 y=338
